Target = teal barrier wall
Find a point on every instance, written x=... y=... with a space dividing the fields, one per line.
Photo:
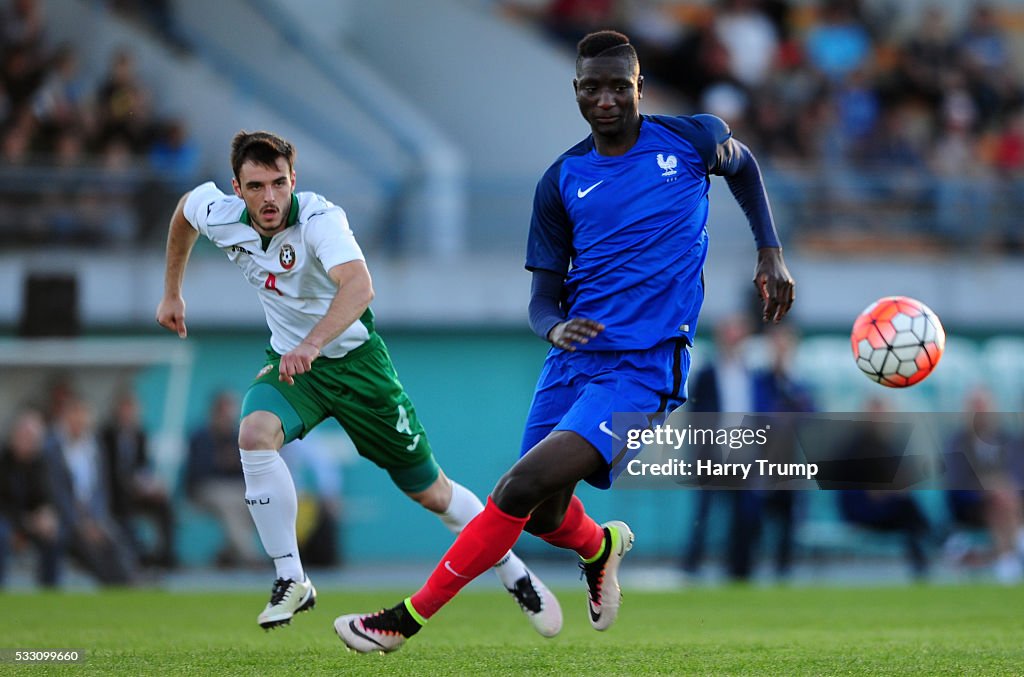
x=472 y=391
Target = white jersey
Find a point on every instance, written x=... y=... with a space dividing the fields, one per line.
x=291 y=274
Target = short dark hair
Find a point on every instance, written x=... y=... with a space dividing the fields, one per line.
x=263 y=148
x=605 y=43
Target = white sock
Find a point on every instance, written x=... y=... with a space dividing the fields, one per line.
x=270 y=495
x=464 y=507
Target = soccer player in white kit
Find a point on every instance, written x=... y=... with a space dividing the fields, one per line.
x=324 y=359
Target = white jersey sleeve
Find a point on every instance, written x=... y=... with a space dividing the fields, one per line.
x=331 y=239
x=200 y=204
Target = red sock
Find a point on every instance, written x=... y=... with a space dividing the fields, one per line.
x=481 y=544
x=578 y=531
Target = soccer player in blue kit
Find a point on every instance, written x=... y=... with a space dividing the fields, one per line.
x=617 y=247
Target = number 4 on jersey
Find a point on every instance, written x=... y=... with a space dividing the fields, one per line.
x=271 y=284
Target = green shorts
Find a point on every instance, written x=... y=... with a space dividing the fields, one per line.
x=362 y=392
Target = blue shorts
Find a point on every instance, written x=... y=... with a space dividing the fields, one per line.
x=580 y=391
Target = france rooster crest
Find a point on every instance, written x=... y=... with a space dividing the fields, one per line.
x=287 y=256
x=667 y=164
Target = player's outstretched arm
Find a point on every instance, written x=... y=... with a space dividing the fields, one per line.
x=355 y=292
x=181 y=237
x=774 y=283
x=737 y=164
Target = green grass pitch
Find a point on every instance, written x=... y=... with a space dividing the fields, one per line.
x=926 y=630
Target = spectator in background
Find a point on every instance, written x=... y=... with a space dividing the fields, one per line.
x=23 y=25
x=750 y=40
x=173 y=153
x=22 y=73
x=213 y=480
x=15 y=144
x=986 y=59
x=963 y=191
x=839 y=44
x=730 y=385
x=134 y=489
x=1006 y=153
x=123 y=104
x=724 y=385
x=982 y=492
x=60 y=101
x=27 y=507
x=83 y=499
x=885 y=510
x=1008 y=147
x=68 y=148
x=703 y=64
x=60 y=392
x=926 y=58
x=776 y=389
x=859 y=108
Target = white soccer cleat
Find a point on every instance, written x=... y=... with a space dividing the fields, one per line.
x=383 y=632
x=603 y=593
x=538 y=603
x=287 y=598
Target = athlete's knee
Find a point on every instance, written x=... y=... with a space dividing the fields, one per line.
x=518 y=491
x=437 y=497
x=260 y=430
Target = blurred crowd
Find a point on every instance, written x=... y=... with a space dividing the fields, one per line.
x=75 y=488
x=873 y=119
x=96 y=146
x=974 y=518
x=870 y=117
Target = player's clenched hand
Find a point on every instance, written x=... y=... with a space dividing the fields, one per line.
x=566 y=335
x=170 y=314
x=774 y=284
x=297 y=361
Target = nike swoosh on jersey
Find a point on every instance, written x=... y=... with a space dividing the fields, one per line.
x=580 y=193
x=603 y=427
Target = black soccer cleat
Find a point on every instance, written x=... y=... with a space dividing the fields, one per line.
x=603 y=593
x=384 y=631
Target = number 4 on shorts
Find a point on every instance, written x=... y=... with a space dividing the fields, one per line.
x=403 y=427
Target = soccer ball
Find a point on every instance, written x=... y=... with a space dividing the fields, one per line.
x=897 y=341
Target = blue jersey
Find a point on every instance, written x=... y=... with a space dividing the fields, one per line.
x=629 y=232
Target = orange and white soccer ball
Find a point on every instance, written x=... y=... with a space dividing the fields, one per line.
x=897 y=341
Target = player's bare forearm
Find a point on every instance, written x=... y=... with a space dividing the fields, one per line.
x=355 y=292
x=181 y=238
x=774 y=283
